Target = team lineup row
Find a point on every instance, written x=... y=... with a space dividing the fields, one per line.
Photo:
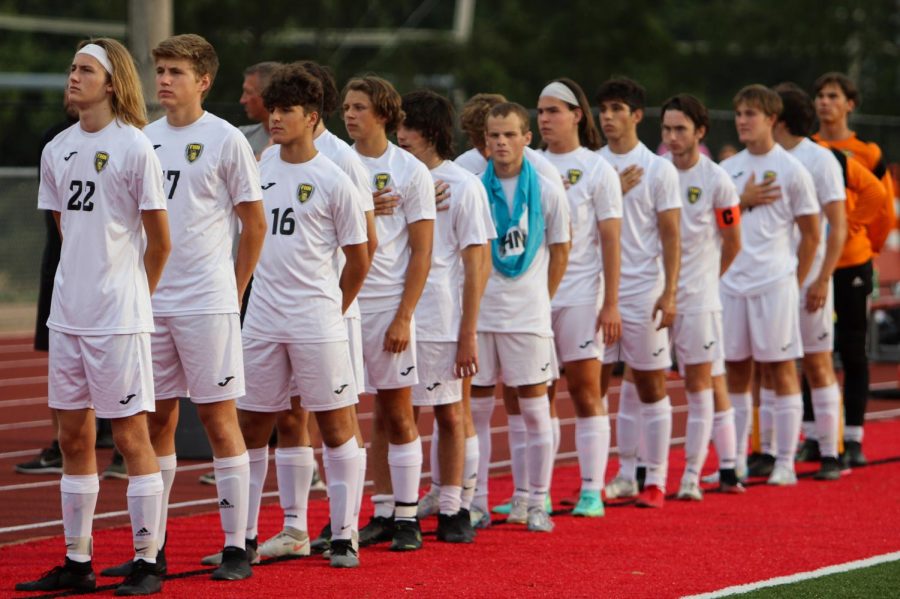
x=395 y=270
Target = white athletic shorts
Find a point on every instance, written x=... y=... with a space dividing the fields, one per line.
x=641 y=346
x=817 y=329
x=764 y=327
x=354 y=335
x=697 y=338
x=386 y=370
x=111 y=374
x=438 y=385
x=198 y=356
x=322 y=372
x=515 y=359
x=574 y=334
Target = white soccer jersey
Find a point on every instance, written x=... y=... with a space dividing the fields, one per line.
x=475 y=163
x=594 y=195
x=467 y=222
x=313 y=211
x=828 y=180
x=642 y=274
x=522 y=304
x=99 y=183
x=208 y=168
x=705 y=188
x=410 y=179
x=767 y=255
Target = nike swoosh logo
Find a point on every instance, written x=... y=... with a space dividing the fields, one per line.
x=157 y=146
x=586 y=343
x=345 y=527
x=659 y=351
x=433 y=387
x=227 y=380
x=545 y=367
x=268 y=185
x=708 y=345
x=784 y=347
x=823 y=335
x=407 y=371
x=737 y=174
x=340 y=389
x=127 y=399
x=66 y=158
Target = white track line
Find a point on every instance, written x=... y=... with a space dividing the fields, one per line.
x=24 y=363
x=26 y=401
x=29 y=424
x=30 y=380
x=14 y=349
x=780 y=580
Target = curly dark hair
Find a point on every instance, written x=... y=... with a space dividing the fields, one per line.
x=623 y=89
x=691 y=107
x=797 y=110
x=292 y=85
x=431 y=115
x=386 y=102
x=330 y=99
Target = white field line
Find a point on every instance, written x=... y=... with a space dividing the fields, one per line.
x=24 y=363
x=29 y=424
x=25 y=401
x=30 y=380
x=781 y=580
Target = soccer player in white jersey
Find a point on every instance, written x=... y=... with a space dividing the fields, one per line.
x=710 y=239
x=515 y=335
x=295 y=317
x=760 y=290
x=211 y=181
x=589 y=290
x=103 y=184
x=447 y=313
x=816 y=308
x=371 y=109
x=647 y=293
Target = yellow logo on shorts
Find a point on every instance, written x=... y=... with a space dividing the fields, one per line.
x=694 y=194
x=101 y=159
x=573 y=175
x=192 y=152
x=768 y=175
x=382 y=180
x=304 y=192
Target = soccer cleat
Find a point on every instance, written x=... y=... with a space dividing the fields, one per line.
x=504 y=508
x=48 y=462
x=450 y=529
x=321 y=543
x=712 y=478
x=208 y=478
x=124 y=569
x=407 y=536
x=466 y=525
x=72 y=575
x=143 y=580
x=480 y=519
x=729 y=483
x=830 y=469
x=589 y=505
x=782 y=476
x=538 y=520
x=252 y=554
x=619 y=488
x=343 y=555
x=116 y=468
x=519 y=512
x=429 y=505
x=689 y=491
x=808 y=451
x=762 y=467
x=289 y=542
x=378 y=530
x=651 y=496
x=317 y=483
x=853 y=454
x=235 y=565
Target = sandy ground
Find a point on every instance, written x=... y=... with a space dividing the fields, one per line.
x=17 y=318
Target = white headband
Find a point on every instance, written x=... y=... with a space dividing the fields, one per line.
x=560 y=91
x=99 y=53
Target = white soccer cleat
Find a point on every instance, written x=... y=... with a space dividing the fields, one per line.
x=689 y=491
x=289 y=542
x=518 y=514
x=539 y=520
x=782 y=476
x=429 y=505
x=620 y=487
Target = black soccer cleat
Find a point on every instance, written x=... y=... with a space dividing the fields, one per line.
x=853 y=455
x=809 y=451
x=407 y=536
x=450 y=528
x=829 y=470
x=322 y=543
x=378 y=530
x=124 y=569
x=466 y=523
x=640 y=475
x=343 y=555
x=762 y=466
x=76 y=576
x=235 y=565
x=143 y=580
x=48 y=462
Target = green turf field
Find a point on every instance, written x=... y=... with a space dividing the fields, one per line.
x=882 y=580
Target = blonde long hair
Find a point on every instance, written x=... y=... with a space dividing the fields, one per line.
x=127 y=99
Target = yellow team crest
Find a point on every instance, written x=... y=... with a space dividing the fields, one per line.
x=694 y=194
x=382 y=180
x=304 y=192
x=101 y=159
x=768 y=175
x=192 y=152
x=573 y=175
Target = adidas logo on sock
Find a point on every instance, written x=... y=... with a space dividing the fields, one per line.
x=143 y=532
x=224 y=504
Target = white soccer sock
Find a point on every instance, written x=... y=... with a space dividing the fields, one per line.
x=383 y=505
x=79 y=500
x=742 y=403
x=766 y=420
x=656 y=426
x=724 y=438
x=809 y=429
x=518 y=453
x=233 y=490
x=405 y=462
x=470 y=473
x=699 y=430
x=259 y=467
x=144 y=496
x=294 y=467
x=827 y=407
x=539 y=460
x=788 y=414
x=482 y=410
x=342 y=474
x=592 y=445
x=360 y=487
x=435 y=460
x=450 y=500
x=853 y=433
x=167 y=466
x=557 y=435
x=628 y=424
